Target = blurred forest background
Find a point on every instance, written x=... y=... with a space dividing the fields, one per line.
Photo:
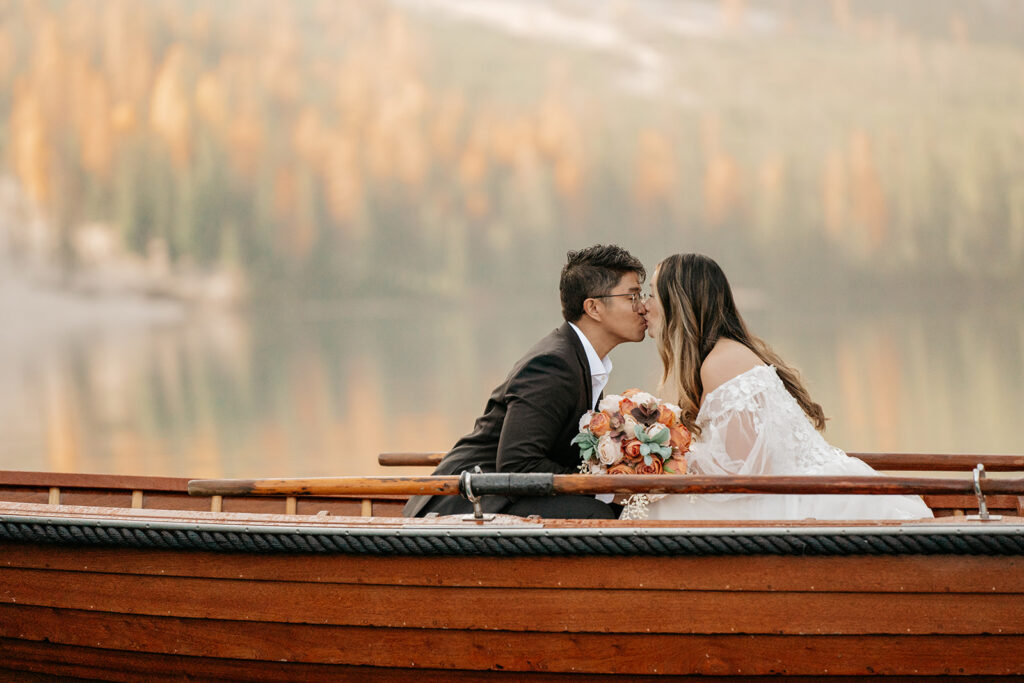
x=270 y=237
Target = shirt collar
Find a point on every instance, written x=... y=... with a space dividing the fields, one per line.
x=599 y=367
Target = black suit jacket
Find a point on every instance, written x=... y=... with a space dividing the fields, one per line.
x=530 y=418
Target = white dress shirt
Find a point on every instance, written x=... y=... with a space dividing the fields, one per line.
x=600 y=368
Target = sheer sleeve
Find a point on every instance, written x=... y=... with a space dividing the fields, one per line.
x=735 y=435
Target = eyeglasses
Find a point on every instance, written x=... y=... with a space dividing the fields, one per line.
x=638 y=299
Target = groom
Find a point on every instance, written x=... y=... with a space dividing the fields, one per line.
x=531 y=418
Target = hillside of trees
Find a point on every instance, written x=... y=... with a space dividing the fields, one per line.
x=331 y=149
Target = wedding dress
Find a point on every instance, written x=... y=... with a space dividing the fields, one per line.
x=751 y=425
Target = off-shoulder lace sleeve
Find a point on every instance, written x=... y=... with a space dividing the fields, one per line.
x=751 y=425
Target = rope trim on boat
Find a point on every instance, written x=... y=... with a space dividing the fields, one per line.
x=521 y=542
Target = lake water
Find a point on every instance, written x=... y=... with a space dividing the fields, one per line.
x=323 y=392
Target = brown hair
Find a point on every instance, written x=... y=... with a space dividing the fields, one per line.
x=699 y=309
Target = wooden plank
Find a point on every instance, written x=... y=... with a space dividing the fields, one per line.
x=24 y=495
x=716 y=655
x=122 y=665
x=54 y=497
x=96 y=497
x=137 y=499
x=949 y=574
x=577 y=610
x=1003 y=502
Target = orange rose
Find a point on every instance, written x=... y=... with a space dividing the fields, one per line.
x=680 y=438
x=666 y=417
x=654 y=468
x=630 y=392
x=626 y=406
x=677 y=464
x=621 y=468
x=631 y=450
x=600 y=424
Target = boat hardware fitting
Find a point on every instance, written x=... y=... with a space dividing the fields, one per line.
x=979 y=474
x=466 y=488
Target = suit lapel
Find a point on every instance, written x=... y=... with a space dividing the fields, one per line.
x=586 y=383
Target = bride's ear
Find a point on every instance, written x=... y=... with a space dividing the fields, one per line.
x=591 y=309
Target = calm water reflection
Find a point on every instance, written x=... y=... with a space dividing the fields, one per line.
x=323 y=394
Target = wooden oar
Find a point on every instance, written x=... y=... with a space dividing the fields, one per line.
x=550 y=484
x=947 y=462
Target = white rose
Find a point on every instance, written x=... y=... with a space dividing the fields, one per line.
x=585 y=420
x=608 y=450
x=655 y=430
x=645 y=400
x=629 y=424
x=609 y=404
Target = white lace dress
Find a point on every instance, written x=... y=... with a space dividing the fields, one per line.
x=751 y=425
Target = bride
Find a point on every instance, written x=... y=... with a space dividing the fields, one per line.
x=748 y=411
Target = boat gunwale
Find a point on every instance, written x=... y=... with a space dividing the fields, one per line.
x=273 y=521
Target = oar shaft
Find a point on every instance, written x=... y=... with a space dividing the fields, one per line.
x=547 y=484
x=880 y=461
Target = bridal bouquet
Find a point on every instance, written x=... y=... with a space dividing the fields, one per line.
x=635 y=433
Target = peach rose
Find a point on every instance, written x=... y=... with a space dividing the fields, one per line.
x=621 y=468
x=667 y=417
x=677 y=464
x=600 y=424
x=680 y=438
x=654 y=468
x=630 y=392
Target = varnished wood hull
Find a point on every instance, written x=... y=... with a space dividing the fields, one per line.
x=132 y=613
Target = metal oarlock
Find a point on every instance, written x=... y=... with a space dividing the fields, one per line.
x=466 y=486
x=979 y=474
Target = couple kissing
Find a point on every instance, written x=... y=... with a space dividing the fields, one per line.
x=748 y=410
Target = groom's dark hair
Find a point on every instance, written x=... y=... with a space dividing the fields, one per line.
x=591 y=272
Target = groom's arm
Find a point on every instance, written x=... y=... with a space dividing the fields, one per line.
x=540 y=401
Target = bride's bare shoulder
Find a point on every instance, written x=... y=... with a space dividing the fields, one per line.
x=727 y=360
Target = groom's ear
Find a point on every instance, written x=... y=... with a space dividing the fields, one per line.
x=591 y=309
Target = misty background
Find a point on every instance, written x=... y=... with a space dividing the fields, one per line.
x=273 y=238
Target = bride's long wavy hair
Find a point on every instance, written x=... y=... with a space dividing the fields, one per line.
x=698 y=311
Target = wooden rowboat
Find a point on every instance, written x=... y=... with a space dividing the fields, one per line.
x=130 y=578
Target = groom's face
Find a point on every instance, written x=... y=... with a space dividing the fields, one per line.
x=621 y=317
